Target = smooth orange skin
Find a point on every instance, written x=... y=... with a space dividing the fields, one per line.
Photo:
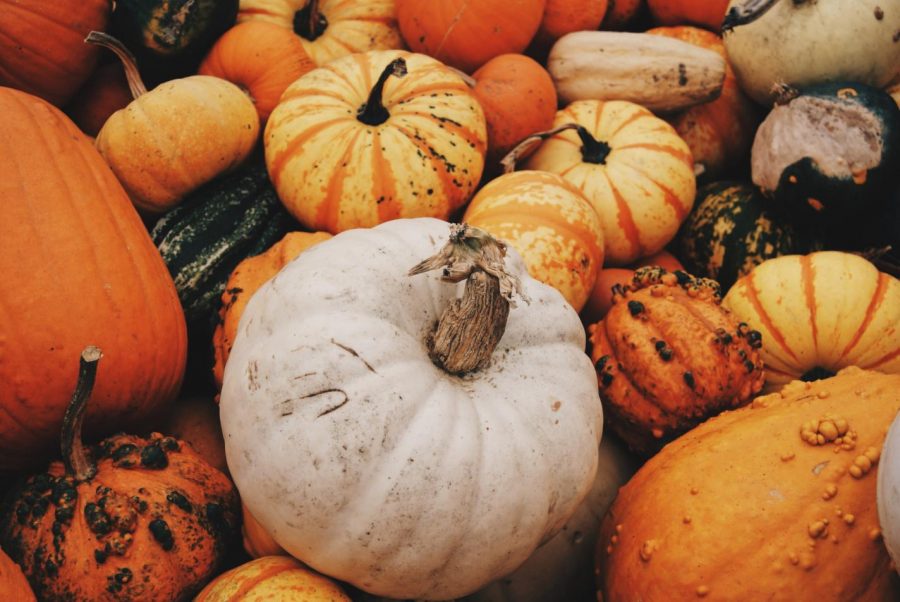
x=729 y=507
x=195 y=420
x=619 y=14
x=706 y=13
x=518 y=98
x=565 y=16
x=42 y=49
x=13 y=585
x=79 y=269
x=104 y=93
x=272 y=578
x=260 y=57
x=720 y=132
x=465 y=34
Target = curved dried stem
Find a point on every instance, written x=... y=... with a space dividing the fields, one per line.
x=74 y=455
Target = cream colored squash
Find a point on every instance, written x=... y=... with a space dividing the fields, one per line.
x=888 y=492
x=811 y=41
x=367 y=461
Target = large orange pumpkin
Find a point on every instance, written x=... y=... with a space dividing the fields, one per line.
x=78 y=268
x=466 y=34
x=373 y=137
x=42 y=49
x=705 y=13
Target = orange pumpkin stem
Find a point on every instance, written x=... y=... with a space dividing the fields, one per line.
x=77 y=462
x=135 y=83
x=309 y=23
x=373 y=112
x=592 y=150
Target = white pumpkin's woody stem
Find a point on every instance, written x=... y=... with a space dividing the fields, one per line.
x=471 y=326
x=74 y=456
x=135 y=83
x=592 y=150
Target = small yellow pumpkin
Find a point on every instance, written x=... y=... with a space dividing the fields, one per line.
x=272 y=578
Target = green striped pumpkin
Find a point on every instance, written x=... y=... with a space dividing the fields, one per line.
x=729 y=232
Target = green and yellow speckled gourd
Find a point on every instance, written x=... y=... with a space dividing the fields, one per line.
x=668 y=356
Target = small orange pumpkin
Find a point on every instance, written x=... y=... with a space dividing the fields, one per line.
x=272 y=578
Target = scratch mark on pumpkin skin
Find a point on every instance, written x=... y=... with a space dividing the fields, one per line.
x=354 y=353
x=332 y=408
x=453 y=23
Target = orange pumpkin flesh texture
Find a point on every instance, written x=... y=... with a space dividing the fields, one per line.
x=466 y=34
x=79 y=269
x=772 y=501
x=42 y=49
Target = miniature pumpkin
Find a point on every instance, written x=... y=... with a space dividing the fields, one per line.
x=802 y=42
x=828 y=155
x=42 y=51
x=331 y=29
x=708 y=13
x=13 y=585
x=247 y=277
x=632 y=167
x=97 y=277
x=719 y=132
x=668 y=356
x=175 y=138
x=260 y=57
x=130 y=519
x=550 y=224
x=436 y=459
x=104 y=93
x=730 y=231
x=375 y=136
x=776 y=498
x=819 y=313
x=888 y=492
x=272 y=578
x=466 y=34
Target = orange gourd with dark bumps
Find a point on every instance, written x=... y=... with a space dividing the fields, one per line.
x=668 y=356
x=772 y=501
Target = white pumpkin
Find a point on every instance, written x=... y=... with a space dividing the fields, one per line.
x=888 y=492
x=808 y=41
x=368 y=462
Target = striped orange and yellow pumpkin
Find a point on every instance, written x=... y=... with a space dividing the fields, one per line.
x=271 y=578
x=373 y=137
x=632 y=167
x=819 y=313
x=331 y=29
x=550 y=224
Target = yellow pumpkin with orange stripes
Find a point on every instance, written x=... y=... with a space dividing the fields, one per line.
x=373 y=137
x=631 y=166
x=271 y=578
x=819 y=313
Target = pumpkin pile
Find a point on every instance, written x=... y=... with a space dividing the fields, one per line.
x=494 y=301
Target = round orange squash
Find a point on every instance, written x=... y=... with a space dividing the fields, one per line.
x=465 y=34
x=272 y=578
x=42 y=49
x=772 y=501
x=79 y=268
x=375 y=136
x=632 y=166
x=706 y=13
x=13 y=585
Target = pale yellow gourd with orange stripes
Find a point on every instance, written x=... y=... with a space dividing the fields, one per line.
x=357 y=143
x=550 y=224
x=271 y=578
x=819 y=313
x=632 y=167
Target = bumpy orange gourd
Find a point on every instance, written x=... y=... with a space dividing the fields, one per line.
x=720 y=132
x=272 y=578
x=819 y=313
x=260 y=57
x=246 y=278
x=42 y=49
x=465 y=34
x=773 y=501
x=632 y=166
x=330 y=29
x=97 y=278
x=668 y=356
x=550 y=224
x=706 y=13
x=13 y=585
x=375 y=136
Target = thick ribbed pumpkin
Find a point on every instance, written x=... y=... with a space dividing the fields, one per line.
x=13 y=585
x=550 y=224
x=357 y=142
x=42 y=49
x=271 y=578
x=668 y=356
x=705 y=13
x=97 y=278
x=260 y=57
x=773 y=501
x=720 y=132
x=819 y=313
x=465 y=34
x=632 y=167
x=331 y=29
